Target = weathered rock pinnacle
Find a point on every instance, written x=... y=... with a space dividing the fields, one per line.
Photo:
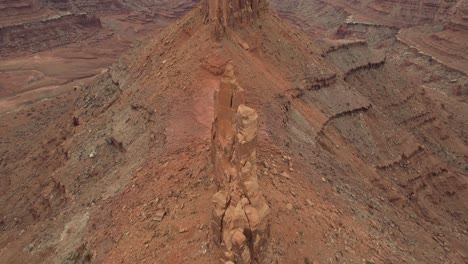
x=239 y=221
x=234 y=13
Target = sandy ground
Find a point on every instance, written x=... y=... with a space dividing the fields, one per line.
x=371 y=136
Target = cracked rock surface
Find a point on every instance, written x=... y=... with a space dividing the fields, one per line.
x=239 y=219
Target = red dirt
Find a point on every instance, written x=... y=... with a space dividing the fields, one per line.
x=375 y=131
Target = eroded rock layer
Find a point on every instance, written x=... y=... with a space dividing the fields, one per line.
x=47 y=33
x=96 y=6
x=239 y=221
x=17 y=7
x=231 y=13
x=413 y=11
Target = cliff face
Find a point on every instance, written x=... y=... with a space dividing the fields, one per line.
x=23 y=11
x=15 y=7
x=414 y=11
x=47 y=33
x=12 y=12
x=393 y=12
x=53 y=23
x=88 y=6
x=459 y=19
x=231 y=13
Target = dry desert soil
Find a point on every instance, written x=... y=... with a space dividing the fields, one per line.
x=347 y=121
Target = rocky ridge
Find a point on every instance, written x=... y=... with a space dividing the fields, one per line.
x=239 y=220
x=362 y=169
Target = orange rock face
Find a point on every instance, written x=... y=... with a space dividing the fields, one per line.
x=234 y=13
x=239 y=221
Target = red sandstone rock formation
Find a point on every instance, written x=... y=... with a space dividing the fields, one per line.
x=234 y=13
x=239 y=221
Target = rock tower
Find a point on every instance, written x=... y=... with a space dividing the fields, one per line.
x=239 y=218
x=234 y=13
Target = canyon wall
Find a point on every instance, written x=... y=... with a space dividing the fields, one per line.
x=13 y=12
x=46 y=33
x=414 y=11
x=239 y=219
x=18 y=7
x=16 y=11
x=459 y=19
x=390 y=12
x=88 y=6
x=29 y=26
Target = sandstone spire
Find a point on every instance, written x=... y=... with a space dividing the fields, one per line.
x=234 y=13
x=239 y=221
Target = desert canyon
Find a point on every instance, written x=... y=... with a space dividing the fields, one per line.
x=234 y=132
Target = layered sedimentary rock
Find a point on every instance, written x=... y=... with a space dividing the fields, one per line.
x=18 y=7
x=13 y=12
x=229 y=13
x=459 y=19
x=414 y=11
x=17 y=11
x=88 y=6
x=47 y=33
x=239 y=218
